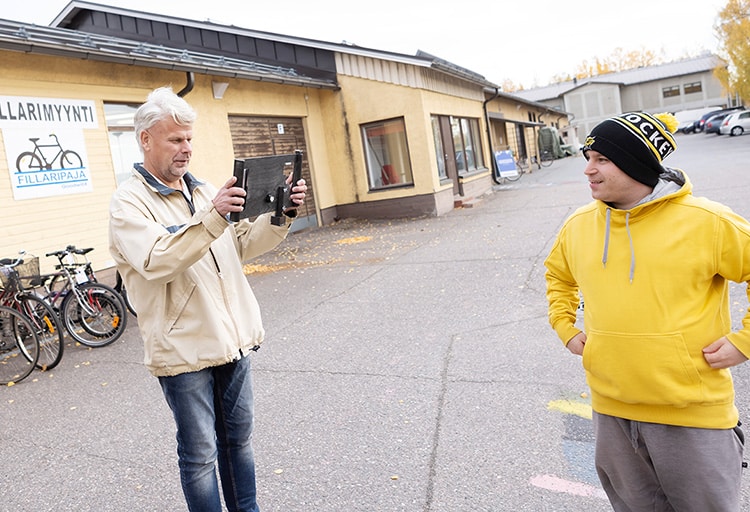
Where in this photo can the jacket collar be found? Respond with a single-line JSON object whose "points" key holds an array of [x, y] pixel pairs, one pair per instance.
{"points": [[191, 181]]}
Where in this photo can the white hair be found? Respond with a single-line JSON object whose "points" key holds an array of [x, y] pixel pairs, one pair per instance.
{"points": [[161, 104]]}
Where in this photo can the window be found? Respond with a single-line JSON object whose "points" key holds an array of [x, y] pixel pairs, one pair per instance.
{"points": [[439, 149], [669, 92], [693, 87], [467, 144], [122, 143], [387, 154]]}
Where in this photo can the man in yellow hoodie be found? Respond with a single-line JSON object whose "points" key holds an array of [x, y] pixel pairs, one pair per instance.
{"points": [[654, 263]]}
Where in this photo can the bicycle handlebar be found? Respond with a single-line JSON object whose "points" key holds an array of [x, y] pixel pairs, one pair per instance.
{"points": [[10, 262], [71, 249]]}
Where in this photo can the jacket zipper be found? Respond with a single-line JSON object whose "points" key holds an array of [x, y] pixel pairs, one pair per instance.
{"points": [[219, 273]]}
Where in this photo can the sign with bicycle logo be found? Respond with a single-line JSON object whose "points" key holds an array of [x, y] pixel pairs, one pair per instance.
{"points": [[45, 164], [45, 146]]}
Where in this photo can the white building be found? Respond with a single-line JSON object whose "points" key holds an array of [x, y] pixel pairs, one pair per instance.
{"points": [[673, 87]]}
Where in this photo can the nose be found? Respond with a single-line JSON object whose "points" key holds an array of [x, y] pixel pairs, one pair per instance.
{"points": [[590, 168]]}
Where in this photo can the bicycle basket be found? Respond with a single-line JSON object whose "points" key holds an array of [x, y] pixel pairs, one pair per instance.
{"points": [[27, 271]]}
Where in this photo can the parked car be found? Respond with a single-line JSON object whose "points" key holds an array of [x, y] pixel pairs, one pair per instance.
{"points": [[699, 125], [713, 123], [686, 126], [736, 124]]}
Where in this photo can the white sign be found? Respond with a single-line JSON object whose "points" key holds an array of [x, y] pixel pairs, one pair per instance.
{"points": [[43, 164], [47, 112]]}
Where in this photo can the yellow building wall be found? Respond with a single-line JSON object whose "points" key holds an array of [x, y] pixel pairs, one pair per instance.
{"points": [[364, 101], [46, 224]]}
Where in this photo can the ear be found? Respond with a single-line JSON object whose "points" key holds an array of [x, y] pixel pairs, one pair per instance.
{"points": [[145, 139]]}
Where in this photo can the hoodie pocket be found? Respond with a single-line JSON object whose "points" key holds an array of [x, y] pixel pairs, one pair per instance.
{"points": [[653, 369]]}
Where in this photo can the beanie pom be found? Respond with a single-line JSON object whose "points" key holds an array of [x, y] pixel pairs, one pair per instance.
{"points": [[669, 121]]}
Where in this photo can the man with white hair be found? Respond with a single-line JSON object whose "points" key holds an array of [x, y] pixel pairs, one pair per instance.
{"points": [[181, 261]]}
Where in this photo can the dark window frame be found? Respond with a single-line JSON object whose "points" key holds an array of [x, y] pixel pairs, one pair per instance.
{"points": [[671, 91], [386, 150], [693, 87]]}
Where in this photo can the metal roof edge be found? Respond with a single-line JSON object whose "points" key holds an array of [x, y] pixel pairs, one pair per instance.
{"points": [[422, 59], [514, 97], [67, 14], [29, 38]]}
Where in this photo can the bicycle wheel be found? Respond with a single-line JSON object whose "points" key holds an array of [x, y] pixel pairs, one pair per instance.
{"points": [[513, 176], [19, 346], [545, 159], [112, 294], [48, 328], [70, 160], [28, 161], [523, 165], [94, 314]]}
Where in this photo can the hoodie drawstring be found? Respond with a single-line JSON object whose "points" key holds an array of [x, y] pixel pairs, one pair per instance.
{"points": [[606, 239], [630, 240], [632, 251]]}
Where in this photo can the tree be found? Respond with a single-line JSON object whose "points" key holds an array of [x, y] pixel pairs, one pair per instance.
{"points": [[509, 85], [733, 32], [618, 60]]}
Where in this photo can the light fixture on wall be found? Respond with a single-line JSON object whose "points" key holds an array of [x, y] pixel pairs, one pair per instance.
{"points": [[219, 89]]}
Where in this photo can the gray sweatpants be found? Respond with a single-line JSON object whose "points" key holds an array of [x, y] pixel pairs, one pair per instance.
{"points": [[649, 467]]}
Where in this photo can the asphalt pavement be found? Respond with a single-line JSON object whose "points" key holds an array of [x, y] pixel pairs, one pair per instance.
{"points": [[408, 367]]}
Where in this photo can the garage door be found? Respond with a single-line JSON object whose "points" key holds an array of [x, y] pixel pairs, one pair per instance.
{"points": [[266, 136]]}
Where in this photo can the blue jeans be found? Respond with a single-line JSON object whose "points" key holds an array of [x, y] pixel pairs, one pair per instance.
{"points": [[213, 410]]}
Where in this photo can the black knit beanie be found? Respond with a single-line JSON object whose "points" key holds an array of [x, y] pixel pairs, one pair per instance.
{"points": [[636, 142]]}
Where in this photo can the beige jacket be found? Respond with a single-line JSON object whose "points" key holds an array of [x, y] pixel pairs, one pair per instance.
{"points": [[182, 266]]}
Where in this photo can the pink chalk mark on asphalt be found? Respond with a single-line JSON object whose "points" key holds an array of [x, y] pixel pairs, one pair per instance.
{"points": [[556, 484]]}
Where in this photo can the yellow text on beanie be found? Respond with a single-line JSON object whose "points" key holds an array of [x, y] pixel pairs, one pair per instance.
{"points": [[637, 143]]}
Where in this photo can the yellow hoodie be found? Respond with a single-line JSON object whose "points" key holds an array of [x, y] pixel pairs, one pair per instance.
{"points": [[655, 280]]}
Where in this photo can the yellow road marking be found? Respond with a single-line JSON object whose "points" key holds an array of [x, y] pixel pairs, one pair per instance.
{"points": [[570, 407]]}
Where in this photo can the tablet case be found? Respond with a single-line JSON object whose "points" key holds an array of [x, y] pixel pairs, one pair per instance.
{"points": [[264, 181]]}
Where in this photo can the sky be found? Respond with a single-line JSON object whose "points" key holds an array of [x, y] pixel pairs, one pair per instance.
{"points": [[525, 41]]}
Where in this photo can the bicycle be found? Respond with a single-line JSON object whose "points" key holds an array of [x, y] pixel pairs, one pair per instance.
{"points": [[36, 161], [509, 167], [546, 158], [91, 312], [119, 286], [42, 316], [19, 346]]}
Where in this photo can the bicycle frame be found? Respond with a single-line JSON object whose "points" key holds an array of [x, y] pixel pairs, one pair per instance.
{"points": [[37, 161], [11, 296], [38, 150], [74, 273], [37, 312], [70, 281]]}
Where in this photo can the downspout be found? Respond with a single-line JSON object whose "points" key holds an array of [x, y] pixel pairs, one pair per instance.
{"points": [[495, 171], [189, 85]]}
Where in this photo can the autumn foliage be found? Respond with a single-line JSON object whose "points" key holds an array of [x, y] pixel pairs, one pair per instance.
{"points": [[733, 32]]}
